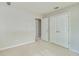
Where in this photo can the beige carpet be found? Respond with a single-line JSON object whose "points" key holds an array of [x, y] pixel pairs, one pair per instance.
{"points": [[39, 48]]}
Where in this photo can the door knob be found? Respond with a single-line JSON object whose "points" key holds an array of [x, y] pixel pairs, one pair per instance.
{"points": [[57, 31]]}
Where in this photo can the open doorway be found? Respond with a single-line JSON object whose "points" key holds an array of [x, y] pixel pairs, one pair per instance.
{"points": [[38, 29]]}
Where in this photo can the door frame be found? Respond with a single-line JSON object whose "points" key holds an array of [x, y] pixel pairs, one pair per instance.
{"points": [[68, 23], [36, 23]]}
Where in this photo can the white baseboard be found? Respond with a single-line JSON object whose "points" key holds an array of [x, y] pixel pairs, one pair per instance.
{"points": [[1, 49], [74, 51]]}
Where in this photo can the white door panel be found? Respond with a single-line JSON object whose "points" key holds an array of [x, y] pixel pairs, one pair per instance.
{"points": [[59, 29], [52, 29], [44, 29]]}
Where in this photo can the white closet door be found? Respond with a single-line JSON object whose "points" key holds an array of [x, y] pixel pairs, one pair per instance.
{"points": [[59, 29], [44, 29]]}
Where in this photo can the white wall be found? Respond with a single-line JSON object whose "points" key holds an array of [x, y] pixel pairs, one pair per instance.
{"points": [[16, 26], [74, 23], [73, 13]]}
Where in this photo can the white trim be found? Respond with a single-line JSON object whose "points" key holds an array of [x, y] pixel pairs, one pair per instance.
{"points": [[13, 46], [74, 51]]}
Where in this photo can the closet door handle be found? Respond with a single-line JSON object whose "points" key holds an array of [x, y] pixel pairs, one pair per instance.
{"points": [[57, 31]]}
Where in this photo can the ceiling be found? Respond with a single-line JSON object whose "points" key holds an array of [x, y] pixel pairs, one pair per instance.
{"points": [[42, 8]]}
